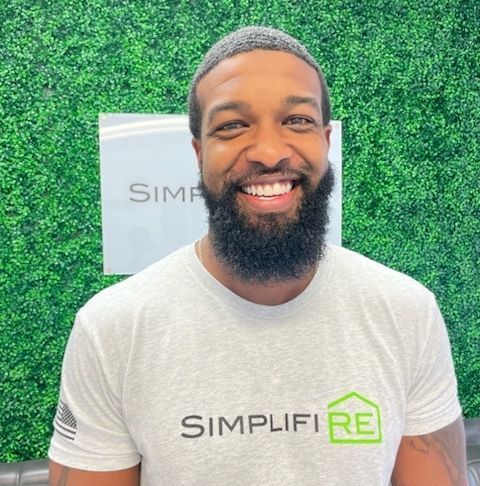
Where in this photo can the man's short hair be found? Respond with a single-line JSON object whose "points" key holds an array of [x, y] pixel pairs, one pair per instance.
{"points": [[249, 39]]}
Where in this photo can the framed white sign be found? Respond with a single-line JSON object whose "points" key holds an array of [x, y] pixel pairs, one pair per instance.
{"points": [[150, 202]]}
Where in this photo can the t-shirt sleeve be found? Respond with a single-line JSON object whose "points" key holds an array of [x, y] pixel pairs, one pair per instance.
{"points": [[432, 397], [89, 430]]}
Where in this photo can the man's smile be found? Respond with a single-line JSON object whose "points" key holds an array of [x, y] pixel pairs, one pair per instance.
{"points": [[269, 196], [268, 190]]}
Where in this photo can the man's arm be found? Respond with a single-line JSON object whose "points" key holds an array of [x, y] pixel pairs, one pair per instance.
{"points": [[66, 476], [436, 459]]}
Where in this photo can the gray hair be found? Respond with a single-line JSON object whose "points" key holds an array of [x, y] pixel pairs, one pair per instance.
{"points": [[248, 39]]}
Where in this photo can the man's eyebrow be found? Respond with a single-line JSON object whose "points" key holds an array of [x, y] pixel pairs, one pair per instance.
{"points": [[300, 100], [227, 106]]}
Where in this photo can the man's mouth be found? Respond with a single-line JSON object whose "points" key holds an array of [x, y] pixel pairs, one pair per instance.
{"points": [[272, 189]]}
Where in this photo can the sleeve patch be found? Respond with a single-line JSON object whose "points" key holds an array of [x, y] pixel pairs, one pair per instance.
{"points": [[64, 422]]}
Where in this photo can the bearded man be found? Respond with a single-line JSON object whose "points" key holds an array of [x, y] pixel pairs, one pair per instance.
{"points": [[260, 354]]}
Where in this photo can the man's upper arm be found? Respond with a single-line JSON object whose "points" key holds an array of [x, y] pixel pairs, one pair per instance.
{"points": [[90, 430], [65, 476], [435, 459]]}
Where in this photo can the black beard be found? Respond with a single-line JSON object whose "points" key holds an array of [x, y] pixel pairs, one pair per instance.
{"points": [[273, 247]]}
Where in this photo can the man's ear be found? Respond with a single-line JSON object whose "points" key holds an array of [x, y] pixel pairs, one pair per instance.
{"points": [[197, 146], [328, 132]]}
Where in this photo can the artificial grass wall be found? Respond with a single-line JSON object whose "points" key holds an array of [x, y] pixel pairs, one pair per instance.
{"points": [[404, 79]]}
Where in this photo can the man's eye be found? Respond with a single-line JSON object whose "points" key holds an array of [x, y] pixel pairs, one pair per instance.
{"points": [[300, 120], [230, 126]]}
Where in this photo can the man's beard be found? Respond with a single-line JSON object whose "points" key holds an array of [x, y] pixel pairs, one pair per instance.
{"points": [[269, 247]]}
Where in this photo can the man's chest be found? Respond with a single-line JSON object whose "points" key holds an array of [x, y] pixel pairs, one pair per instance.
{"points": [[295, 409]]}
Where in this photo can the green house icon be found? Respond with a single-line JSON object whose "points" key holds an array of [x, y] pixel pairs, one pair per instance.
{"points": [[354, 419]]}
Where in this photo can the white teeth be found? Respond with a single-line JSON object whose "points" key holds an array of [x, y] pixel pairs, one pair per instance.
{"points": [[268, 191], [276, 189]]}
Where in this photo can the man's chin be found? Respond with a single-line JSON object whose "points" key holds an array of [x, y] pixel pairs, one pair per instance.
{"points": [[268, 224]]}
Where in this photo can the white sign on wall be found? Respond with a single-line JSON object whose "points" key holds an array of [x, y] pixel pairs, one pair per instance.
{"points": [[150, 202]]}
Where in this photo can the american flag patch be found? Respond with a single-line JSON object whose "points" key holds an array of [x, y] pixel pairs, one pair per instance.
{"points": [[64, 422]]}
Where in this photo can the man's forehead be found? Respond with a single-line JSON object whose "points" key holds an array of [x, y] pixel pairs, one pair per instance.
{"points": [[256, 66]]}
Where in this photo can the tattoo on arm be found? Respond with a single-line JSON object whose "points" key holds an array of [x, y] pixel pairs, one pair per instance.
{"points": [[441, 455]]}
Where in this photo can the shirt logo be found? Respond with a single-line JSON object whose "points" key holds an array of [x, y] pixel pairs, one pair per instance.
{"points": [[351, 419], [354, 419], [64, 422]]}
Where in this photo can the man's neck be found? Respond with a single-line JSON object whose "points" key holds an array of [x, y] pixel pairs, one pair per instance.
{"points": [[259, 293]]}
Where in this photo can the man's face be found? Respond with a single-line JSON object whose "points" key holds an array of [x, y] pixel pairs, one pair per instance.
{"points": [[263, 152], [261, 111]]}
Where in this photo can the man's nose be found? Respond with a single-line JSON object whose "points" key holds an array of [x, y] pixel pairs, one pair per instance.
{"points": [[268, 147]]}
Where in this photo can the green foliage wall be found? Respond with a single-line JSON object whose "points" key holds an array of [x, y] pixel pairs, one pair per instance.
{"points": [[404, 80]]}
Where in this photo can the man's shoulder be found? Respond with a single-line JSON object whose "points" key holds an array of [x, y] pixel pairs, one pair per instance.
{"points": [[361, 271]]}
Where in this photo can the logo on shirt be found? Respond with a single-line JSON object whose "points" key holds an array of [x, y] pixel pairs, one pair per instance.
{"points": [[354, 419]]}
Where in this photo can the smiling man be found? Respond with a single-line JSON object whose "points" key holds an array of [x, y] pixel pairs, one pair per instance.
{"points": [[260, 354]]}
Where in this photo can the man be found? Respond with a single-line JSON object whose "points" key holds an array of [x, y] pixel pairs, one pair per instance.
{"points": [[260, 355]]}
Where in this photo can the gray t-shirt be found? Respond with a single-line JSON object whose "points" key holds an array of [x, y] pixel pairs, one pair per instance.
{"points": [[172, 369]]}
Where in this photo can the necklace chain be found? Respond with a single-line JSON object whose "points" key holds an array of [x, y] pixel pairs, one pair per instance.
{"points": [[200, 251]]}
